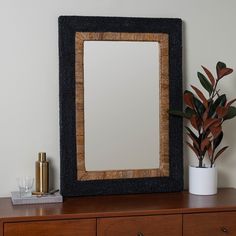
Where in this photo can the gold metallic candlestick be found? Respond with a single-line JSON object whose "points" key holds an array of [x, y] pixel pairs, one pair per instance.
{"points": [[42, 173]]}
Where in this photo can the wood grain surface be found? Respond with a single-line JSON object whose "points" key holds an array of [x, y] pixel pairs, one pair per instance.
{"points": [[163, 41], [52, 228], [216, 224], [1, 228], [123, 205], [170, 225]]}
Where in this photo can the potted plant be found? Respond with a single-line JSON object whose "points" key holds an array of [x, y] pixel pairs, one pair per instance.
{"points": [[206, 109]]}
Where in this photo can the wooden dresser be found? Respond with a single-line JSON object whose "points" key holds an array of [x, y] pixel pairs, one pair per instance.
{"points": [[162, 214]]}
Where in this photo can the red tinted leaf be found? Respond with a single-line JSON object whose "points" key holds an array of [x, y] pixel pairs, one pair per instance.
{"points": [[218, 123], [204, 144], [209, 75], [209, 122], [210, 151], [219, 66], [221, 111], [188, 99], [200, 95], [217, 141], [195, 122], [205, 114], [220, 152], [231, 102], [224, 71], [215, 131], [194, 140], [193, 149]]}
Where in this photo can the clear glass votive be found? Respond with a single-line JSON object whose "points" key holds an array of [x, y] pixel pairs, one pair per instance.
{"points": [[25, 185]]}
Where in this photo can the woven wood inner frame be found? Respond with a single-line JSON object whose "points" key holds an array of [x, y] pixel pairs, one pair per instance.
{"points": [[163, 169]]}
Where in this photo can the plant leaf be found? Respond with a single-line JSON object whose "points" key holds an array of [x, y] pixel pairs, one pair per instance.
{"points": [[195, 142], [231, 113], [200, 95], [222, 111], [205, 83], [215, 131], [191, 132], [204, 144], [194, 122], [220, 101], [219, 66], [217, 140], [200, 108], [188, 99], [189, 112], [209, 75], [205, 134], [223, 72], [210, 151], [231, 102], [206, 114], [220, 152], [209, 122], [193, 149]]}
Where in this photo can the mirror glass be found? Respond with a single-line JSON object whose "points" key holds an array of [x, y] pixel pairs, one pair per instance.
{"points": [[121, 105]]}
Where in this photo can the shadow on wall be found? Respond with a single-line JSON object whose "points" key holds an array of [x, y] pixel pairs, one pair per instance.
{"points": [[52, 174], [184, 69]]}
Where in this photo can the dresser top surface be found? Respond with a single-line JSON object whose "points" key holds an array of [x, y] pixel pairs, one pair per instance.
{"points": [[123, 205]]}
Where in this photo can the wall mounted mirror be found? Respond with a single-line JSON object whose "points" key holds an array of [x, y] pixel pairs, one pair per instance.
{"points": [[118, 79]]}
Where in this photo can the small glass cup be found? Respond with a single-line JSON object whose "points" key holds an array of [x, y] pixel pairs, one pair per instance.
{"points": [[25, 185]]}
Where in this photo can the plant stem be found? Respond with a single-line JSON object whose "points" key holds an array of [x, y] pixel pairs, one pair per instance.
{"points": [[200, 162], [214, 90]]}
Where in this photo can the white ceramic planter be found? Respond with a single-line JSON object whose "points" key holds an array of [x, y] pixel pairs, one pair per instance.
{"points": [[202, 181]]}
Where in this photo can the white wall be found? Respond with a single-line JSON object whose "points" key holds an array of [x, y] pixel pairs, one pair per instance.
{"points": [[29, 118]]}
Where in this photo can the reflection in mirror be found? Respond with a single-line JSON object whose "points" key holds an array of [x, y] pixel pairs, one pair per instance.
{"points": [[121, 105]]}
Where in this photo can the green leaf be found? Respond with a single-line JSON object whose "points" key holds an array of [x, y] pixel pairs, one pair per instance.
{"points": [[220, 65], [205, 83], [189, 112], [220, 101], [231, 113], [199, 106], [217, 141]]}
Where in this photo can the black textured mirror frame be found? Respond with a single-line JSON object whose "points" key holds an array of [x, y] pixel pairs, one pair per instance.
{"points": [[70, 185]]}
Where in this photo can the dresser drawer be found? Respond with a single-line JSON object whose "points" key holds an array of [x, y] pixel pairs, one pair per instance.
{"points": [[141, 226], [214, 224], [52, 228]]}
